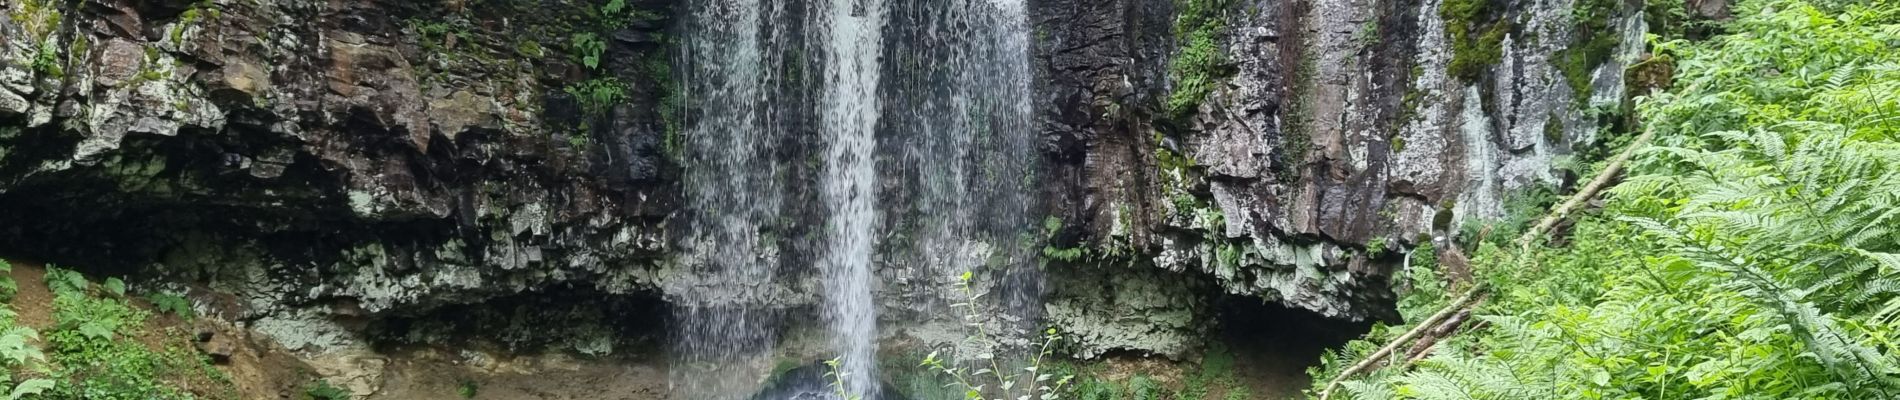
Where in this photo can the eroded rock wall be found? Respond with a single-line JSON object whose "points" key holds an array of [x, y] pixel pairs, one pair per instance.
{"points": [[358, 157], [373, 157], [1333, 136]]}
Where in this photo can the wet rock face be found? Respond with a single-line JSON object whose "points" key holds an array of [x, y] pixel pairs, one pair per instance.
{"points": [[1127, 307], [1334, 138], [373, 156]]}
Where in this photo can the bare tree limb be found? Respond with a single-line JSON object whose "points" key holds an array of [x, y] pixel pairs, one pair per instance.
{"points": [[1478, 292], [1584, 195], [1371, 362]]}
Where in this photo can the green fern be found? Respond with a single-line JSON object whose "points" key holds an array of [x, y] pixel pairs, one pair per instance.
{"points": [[1750, 254]]}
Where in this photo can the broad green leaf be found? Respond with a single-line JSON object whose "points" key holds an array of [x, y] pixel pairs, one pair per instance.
{"points": [[95, 330], [33, 386], [115, 286]]}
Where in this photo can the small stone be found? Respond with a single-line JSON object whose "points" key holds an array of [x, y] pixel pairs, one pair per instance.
{"points": [[218, 347]]}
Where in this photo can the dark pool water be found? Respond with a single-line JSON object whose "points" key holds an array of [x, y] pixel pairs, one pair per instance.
{"points": [[810, 383]]}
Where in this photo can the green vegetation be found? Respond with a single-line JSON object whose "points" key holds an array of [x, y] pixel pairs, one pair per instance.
{"points": [[1052, 251], [435, 35], [588, 49], [1297, 139], [597, 96], [1143, 388], [991, 376], [1749, 254], [1217, 372], [466, 40], [1441, 220], [1180, 182], [38, 17], [1674, 19], [93, 345], [1368, 33], [8, 288], [616, 14], [171, 303], [1592, 23], [17, 349], [1200, 27], [47, 61], [1422, 284], [1376, 247], [1554, 125], [467, 389], [660, 71], [197, 12], [94, 349], [1476, 30], [1521, 209], [991, 372], [1114, 248], [529, 49], [1213, 380], [837, 380], [322, 390]]}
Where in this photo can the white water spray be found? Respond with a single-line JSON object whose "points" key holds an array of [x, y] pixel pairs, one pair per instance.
{"points": [[853, 51], [943, 83]]}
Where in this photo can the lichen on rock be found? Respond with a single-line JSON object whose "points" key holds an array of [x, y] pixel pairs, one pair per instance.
{"points": [[325, 157], [1335, 124]]}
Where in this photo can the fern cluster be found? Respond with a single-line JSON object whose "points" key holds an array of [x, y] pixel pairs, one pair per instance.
{"points": [[17, 348], [92, 342], [1750, 255], [1199, 29]]}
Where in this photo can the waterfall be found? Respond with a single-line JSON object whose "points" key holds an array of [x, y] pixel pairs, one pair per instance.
{"points": [[919, 112], [960, 90], [853, 43], [734, 194]]}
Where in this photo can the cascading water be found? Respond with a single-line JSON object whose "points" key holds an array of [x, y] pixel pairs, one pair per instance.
{"points": [[920, 110], [960, 86], [853, 50], [721, 324]]}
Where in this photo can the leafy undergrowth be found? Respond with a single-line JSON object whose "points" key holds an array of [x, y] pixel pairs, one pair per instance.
{"points": [[17, 350], [1214, 380], [92, 340], [1750, 254], [1214, 377], [95, 346], [1199, 27]]}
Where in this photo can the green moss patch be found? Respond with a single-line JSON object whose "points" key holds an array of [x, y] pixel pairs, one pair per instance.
{"points": [[1476, 29], [1597, 43]]}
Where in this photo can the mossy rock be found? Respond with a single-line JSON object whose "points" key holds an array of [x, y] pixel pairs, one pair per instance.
{"points": [[1477, 31]]}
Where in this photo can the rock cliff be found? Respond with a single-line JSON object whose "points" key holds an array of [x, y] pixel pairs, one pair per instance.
{"points": [[362, 156], [380, 157], [1295, 151]]}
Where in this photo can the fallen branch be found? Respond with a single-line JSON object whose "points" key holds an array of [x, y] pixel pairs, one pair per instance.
{"points": [[1424, 344], [1371, 362], [1478, 292], [1584, 195]]}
